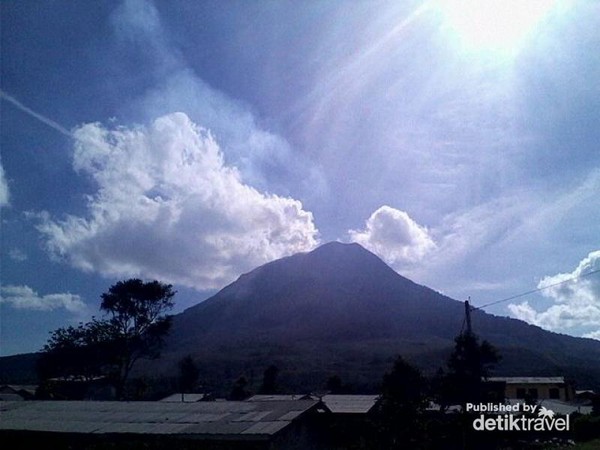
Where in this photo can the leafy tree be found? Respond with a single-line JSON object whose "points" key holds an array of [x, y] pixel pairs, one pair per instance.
{"points": [[188, 374], [134, 327], [334, 384], [136, 311], [239, 391], [269, 383], [81, 352], [469, 366], [403, 400]]}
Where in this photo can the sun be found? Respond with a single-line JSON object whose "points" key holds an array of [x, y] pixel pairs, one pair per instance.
{"points": [[493, 25]]}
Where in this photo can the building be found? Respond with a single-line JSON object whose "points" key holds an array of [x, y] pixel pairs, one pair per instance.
{"points": [[186, 398], [13, 392], [536, 388], [350, 404], [345, 422], [241, 425], [351, 423], [336, 404], [280, 397]]}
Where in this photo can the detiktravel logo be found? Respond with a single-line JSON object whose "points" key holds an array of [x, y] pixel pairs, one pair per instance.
{"points": [[518, 417]]}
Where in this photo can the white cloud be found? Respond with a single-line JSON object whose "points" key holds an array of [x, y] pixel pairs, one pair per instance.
{"points": [[264, 159], [593, 335], [4, 193], [17, 254], [576, 303], [23, 297], [394, 236], [168, 207]]}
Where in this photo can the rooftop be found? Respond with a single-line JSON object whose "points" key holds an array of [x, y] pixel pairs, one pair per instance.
{"points": [[337, 404], [350, 404], [529, 380], [279, 397], [243, 419], [179, 397]]}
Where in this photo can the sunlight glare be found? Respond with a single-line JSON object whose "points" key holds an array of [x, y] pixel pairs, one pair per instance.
{"points": [[497, 25]]}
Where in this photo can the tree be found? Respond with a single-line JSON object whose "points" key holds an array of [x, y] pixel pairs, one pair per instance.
{"points": [[239, 392], [269, 383], [134, 327], [136, 312], [469, 366], [80, 353], [188, 375], [403, 399], [334, 385]]}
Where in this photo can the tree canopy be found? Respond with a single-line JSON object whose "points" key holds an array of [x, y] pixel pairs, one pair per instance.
{"points": [[269, 383], [188, 374], [403, 400], [134, 327], [469, 367]]}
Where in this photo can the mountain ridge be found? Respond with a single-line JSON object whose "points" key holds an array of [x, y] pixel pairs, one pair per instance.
{"points": [[340, 310], [343, 301]]}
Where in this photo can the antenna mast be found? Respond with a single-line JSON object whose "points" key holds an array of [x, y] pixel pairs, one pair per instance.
{"points": [[468, 316]]}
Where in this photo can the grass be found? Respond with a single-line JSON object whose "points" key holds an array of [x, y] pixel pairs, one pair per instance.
{"points": [[588, 445]]}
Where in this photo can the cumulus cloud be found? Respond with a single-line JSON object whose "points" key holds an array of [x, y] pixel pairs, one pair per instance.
{"points": [[394, 236], [593, 335], [168, 207], [23, 297], [4, 194], [576, 303]]}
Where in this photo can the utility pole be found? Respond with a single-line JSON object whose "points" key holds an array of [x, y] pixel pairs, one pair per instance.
{"points": [[468, 316]]}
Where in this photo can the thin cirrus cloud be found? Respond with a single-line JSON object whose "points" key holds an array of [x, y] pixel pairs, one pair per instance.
{"points": [[264, 159], [395, 237], [576, 303], [4, 192], [167, 206], [24, 297]]}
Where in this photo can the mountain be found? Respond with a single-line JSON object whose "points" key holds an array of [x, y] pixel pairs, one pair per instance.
{"points": [[341, 310]]}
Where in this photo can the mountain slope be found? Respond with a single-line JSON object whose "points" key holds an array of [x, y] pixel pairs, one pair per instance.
{"points": [[340, 309]]}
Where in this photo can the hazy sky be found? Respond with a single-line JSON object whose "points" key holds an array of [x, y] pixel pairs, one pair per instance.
{"points": [[191, 141]]}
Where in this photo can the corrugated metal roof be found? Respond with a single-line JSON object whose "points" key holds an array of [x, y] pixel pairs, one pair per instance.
{"points": [[186, 398], [253, 416], [265, 428], [350, 404], [279, 397], [222, 418], [558, 406], [8, 397], [529, 380]]}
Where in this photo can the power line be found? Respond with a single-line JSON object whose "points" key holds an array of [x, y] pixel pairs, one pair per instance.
{"points": [[537, 290]]}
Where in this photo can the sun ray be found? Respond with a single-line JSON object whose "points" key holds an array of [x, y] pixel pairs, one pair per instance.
{"points": [[493, 25]]}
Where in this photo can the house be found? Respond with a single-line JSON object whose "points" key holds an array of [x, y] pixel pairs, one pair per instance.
{"points": [[280, 397], [536, 388], [183, 397], [350, 422], [13, 392], [342, 421], [237, 425], [336, 404], [587, 395], [350, 404]]}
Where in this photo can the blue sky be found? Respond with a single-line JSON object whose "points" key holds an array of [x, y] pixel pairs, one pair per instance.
{"points": [[193, 141]]}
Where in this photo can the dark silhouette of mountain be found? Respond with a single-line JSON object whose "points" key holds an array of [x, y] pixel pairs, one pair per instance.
{"points": [[341, 310]]}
